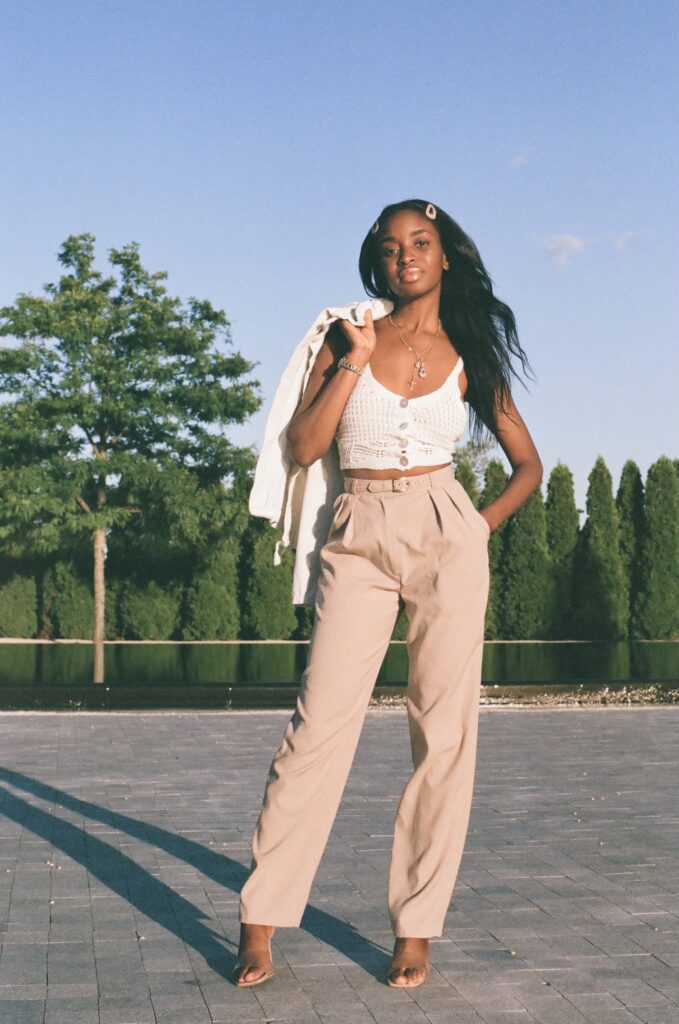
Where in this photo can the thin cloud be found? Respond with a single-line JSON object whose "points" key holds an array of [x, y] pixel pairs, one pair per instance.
{"points": [[522, 156], [562, 248], [622, 239]]}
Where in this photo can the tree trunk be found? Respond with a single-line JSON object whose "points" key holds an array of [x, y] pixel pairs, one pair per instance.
{"points": [[99, 604]]}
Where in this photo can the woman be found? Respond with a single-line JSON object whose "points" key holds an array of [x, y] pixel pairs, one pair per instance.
{"points": [[390, 394]]}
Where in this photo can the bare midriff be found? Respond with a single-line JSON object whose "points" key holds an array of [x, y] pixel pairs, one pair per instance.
{"points": [[392, 474]]}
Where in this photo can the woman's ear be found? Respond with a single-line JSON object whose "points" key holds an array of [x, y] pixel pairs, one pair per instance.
{"points": [[446, 264]]}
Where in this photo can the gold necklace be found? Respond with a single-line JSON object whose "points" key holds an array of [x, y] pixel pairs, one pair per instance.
{"points": [[418, 365]]}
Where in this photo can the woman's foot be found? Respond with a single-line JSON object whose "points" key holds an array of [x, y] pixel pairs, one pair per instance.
{"points": [[254, 955], [409, 965]]}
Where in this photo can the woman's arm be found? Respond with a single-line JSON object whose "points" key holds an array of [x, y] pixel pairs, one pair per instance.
{"points": [[518, 446], [313, 427]]}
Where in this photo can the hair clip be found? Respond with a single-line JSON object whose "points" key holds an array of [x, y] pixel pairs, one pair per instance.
{"points": [[430, 211], [375, 228]]}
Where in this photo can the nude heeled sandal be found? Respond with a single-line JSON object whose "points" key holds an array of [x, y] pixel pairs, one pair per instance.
{"points": [[250, 959], [395, 969]]}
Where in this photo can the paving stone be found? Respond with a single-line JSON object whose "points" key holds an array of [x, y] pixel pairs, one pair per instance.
{"points": [[73, 1010], [121, 1010], [657, 1015], [22, 1012], [125, 839]]}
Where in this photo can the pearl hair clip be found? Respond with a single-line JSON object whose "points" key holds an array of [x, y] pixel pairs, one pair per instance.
{"points": [[430, 212]]}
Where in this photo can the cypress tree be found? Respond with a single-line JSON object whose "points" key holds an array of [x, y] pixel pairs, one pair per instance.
{"points": [[267, 612], [526, 574], [562, 534], [18, 606], [150, 611], [656, 610], [465, 475], [600, 599], [70, 602], [212, 606], [305, 622], [494, 484], [630, 505], [401, 625]]}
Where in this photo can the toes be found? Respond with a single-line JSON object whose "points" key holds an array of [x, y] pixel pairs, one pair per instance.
{"points": [[406, 975], [249, 973]]}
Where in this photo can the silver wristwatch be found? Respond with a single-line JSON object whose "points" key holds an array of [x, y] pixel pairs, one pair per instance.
{"points": [[344, 364]]}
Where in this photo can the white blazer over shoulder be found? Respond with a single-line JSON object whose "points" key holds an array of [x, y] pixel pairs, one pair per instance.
{"points": [[299, 500]]}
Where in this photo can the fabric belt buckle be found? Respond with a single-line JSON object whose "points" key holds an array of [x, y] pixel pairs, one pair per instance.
{"points": [[401, 484]]}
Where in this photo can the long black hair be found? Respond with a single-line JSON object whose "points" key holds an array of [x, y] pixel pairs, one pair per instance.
{"points": [[482, 328]]}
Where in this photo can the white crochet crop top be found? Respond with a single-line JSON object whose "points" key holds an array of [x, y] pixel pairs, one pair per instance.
{"points": [[382, 430]]}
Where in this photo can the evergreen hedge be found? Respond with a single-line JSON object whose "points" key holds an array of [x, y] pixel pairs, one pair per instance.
{"points": [[18, 607], [527, 582], [150, 612], [616, 576], [267, 612], [562, 527], [629, 502], [601, 595], [212, 606], [656, 609], [69, 602]]}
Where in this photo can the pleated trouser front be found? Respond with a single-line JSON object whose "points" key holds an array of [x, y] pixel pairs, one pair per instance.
{"points": [[427, 544]]}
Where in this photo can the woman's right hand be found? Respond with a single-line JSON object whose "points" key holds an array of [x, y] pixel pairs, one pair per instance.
{"points": [[313, 427], [361, 339]]}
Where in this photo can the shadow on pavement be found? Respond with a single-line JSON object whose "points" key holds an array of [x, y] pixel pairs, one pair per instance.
{"points": [[147, 893]]}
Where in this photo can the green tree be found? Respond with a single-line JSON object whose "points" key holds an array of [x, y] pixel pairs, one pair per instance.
{"points": [[149, 611], [115, 400], [212, 604], [656, 609], [267, 612], [18, 601], [494, 484], [71, 604], [601, 605], [465, 474], [562, 535], [629, 502], [525, 596], [470, 463]]}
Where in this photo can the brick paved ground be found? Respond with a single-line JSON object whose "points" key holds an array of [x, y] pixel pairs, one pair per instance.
{"points": [[124, 840]]}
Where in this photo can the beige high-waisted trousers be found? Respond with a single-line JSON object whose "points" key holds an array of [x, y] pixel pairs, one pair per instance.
{"points": [[421, 538]]}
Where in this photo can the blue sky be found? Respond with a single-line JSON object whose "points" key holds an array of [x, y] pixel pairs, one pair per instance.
{"points": [[248, 147]]}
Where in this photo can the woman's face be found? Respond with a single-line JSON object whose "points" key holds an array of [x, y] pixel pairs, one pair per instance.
{"points": [[411, 255]]}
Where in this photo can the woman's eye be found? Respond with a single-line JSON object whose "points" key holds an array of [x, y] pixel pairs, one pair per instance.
{"points": [[422, 241]]}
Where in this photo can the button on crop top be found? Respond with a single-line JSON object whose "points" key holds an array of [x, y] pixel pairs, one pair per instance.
{"points": [[382, 430]]}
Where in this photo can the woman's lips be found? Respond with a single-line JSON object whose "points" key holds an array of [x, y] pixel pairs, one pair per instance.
{"points": [[411, 274]]}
